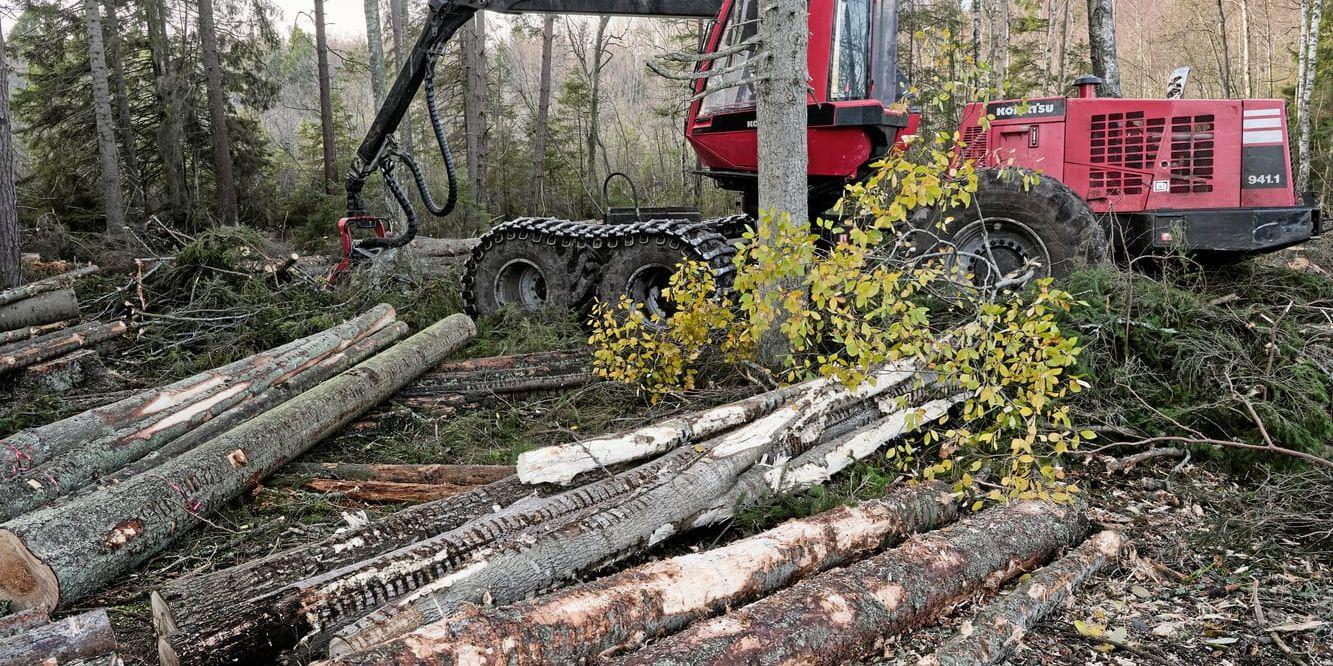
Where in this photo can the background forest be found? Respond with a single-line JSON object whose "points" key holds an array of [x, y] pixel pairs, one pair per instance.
{"points": [[599, 111]]}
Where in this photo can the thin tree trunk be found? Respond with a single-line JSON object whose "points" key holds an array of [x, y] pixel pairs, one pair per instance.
{"points": [[1067, 23], [113, 198], [1226, 75], [459, 475], [223, 170], [124, 118], [385, 492], [326, 103], [398, 25], [542, 129], [475, 77], [61, 554], [375, 45], [976, 31], [1101, 41], [64, 641], [1245, 39], [10, 271], [1001, 625], [44, 308], [47, 347], [62, 281], [593, 65], [1311, 17], [837, 617], [171, 122], [624, 610], [30, 332]]}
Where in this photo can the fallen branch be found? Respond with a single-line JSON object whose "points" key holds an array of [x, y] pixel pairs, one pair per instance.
{"points": [[659, 598], [58, 555], [10, 337], [1224, 443], [79, 637], [459, 475], [1129, 462], [45, 308], [837, 617], [385, 491], [999, 627]]}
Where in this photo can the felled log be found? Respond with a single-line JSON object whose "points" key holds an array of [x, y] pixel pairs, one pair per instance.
{"points": [[49, 346], [236, 615], [10, 337], [60, 554], [678, 488], [78, 637], [1001, 625], [62, 373], [76, 467], [659, 598], [36, 287], [22, 621], [459, 475], [560, 464], [386, 491], [34, 446], [837, 617], [444, 247], [44, 308]]}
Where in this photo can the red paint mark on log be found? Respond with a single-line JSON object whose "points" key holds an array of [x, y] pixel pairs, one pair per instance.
{"points": [[122, 534]]}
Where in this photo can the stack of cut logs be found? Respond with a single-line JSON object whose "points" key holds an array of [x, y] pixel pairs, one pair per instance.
{"points": [[39, 329], [453, 580], [89, 497]]}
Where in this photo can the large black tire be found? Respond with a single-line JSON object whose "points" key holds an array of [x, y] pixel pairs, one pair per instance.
{"points": [[519, 272], [1016, 217], [640, 269]]}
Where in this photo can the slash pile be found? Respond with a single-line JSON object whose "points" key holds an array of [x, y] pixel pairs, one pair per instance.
{"points": [[93, 495], [37, 323]]}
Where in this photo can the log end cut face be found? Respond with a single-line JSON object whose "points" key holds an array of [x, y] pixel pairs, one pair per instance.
{"points": [[25, 582]]}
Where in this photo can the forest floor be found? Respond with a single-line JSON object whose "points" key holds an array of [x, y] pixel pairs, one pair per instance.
{"points": [[1215, 542]]}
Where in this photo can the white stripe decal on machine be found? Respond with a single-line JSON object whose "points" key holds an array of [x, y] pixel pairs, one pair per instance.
{"points": [[1260, 113], [1266, 136], [1263, 123]]}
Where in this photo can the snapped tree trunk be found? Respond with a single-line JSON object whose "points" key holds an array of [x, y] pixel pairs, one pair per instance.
{"points": [[623, 610], [223, 170], [325, 102], [171, 119], [473, 45], [543, 121], [58, 555], [235, 616], [10, 274], [113, 198], [458, 475], [75, 468], [31, 289], [668, 496], [51, 345], [44, 308], [78, 637], [1101, 41], [1001, 625], [838, 616], [124, 119], [34, 446]]}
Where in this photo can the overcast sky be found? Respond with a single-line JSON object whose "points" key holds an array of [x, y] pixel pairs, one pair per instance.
{"points": [[345, 17]]}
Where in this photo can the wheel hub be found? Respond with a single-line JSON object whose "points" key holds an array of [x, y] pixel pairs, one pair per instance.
{"points": [[994, 249], [646, 285], [522, 284]]}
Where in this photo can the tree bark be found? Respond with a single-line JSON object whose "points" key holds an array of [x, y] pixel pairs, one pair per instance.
{"points": [[624, 610], [10, 270], [542, 123], [223, 170], [31, 289], [34, 446], [1228, 85], [305, 380], [124, 119], [837, 617], [78, 637], [473, 44], [113, 201], [375, 46], [171, 119], [22, 621], [19, 335], [1245, 39], [325, 103], [1000, 626], [1101, 41], [594, 68], [668, 495], [560, 464], [1312, 12], [58, 555], [458, 475], [386, 492], [186, 611], [44, 308], [398, 25], [49, 346], [75, 468]]}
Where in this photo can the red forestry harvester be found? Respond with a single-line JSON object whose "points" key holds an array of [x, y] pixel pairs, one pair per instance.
{"points": [[1208, 177]]}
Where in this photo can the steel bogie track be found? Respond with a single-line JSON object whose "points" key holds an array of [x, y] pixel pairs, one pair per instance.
{"points": [[704, 241]]}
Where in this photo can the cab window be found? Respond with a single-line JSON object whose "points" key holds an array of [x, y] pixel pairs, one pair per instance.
{"points": [[849, 77]]}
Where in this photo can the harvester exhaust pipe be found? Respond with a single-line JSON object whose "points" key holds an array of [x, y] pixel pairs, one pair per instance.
{"points": [[1087, 86]]}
